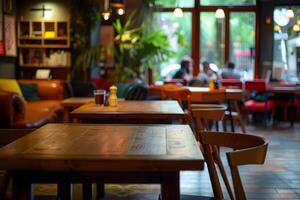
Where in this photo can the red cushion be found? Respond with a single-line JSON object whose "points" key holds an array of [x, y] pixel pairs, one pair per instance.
{"points": [[102, 83], [252, 105]]}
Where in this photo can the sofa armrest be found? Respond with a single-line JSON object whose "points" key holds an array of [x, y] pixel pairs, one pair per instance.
{"points": [[12, 108]]}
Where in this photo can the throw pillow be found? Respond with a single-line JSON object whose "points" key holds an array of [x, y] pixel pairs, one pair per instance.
{"points": [[30, 91], [10, 85]]}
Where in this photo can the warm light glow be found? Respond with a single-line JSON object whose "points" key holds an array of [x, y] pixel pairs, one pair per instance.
{"points": [[106, 15], [178, 12], [121, 11], [276, 28], [296, 28], [290, 13], [220, 14]]}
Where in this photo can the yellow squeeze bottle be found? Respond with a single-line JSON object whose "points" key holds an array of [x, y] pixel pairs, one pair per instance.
{"points": [[211, 84], [113, 96]]}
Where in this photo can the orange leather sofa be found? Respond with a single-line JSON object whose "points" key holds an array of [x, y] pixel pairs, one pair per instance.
{"points": [[16, 113]]}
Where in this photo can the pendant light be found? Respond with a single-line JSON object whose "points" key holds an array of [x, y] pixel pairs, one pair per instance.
{"points": [[290, 13], [106, 13], [178, 11], [220, 13]]}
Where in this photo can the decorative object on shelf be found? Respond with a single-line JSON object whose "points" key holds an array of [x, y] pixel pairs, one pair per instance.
{"points": [[43, 9], [10, 35], [44, 44]]}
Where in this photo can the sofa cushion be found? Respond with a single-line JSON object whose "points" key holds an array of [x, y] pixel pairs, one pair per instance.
{"points": [[48, 89], [30, 91], [10, 85]]}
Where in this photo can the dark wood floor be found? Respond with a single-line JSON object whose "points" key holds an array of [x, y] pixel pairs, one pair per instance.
{"points": [[278, 178]]}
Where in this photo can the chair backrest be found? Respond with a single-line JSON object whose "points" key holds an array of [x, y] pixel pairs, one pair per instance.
{"points": [[215, 96], [232, 83], [171, 91], [203, 113], [137, 92], [256, 85], [249, 149]]}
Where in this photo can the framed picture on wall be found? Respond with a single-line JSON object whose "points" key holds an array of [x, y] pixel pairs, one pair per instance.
{"points": [[10, 35], [8, 6], [1, 30]]}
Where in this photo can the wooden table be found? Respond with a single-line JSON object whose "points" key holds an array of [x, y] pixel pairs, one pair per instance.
{"points": [[66, 153], [289, 92], [72, 103], [131, 112], [199, 94], [203, 94]]}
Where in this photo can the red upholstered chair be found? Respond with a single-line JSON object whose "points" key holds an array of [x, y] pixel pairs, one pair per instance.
{"points": [[262, 105], [232, 83]]}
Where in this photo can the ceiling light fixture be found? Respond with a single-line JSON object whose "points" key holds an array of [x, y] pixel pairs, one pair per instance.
{"points": [[220, 13], [290, 13], [178, 12], [296, 28], [106, 13]]}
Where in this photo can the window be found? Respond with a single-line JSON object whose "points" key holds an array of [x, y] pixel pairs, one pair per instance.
{"points": [[226, 2], [242, 43], [286, 57], [175, 3], [212, 36], [179, 31]]}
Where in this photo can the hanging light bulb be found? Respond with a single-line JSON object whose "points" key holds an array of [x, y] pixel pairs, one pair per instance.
{"points": [[121, 11], [106, 13], [296, 28], [220, 14], [290, 13], [178, 12]]}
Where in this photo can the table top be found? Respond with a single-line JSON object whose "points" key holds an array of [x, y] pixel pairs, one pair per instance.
{"points": [[284, 89], [131, 109], [77, 147], [76, 101]]}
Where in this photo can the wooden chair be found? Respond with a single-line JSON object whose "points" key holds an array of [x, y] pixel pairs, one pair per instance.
{"points": [[236, 116], [202, 115], [182, 95], [249, 149]]}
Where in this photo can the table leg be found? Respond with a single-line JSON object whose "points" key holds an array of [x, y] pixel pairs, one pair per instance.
{"points": [[230, 115], [64, 191], [100, 190], [170, 189], [66, 115], [293, 110], [21, 187], [87, 191]]}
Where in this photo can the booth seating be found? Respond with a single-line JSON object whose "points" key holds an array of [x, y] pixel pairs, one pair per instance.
{"points": [[43, 107]]}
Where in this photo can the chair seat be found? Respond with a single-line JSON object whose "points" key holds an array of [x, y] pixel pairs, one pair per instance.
{"points": [[252, 105]]}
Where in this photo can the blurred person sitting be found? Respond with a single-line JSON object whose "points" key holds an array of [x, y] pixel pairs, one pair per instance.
{"points": [[184, 71], [203, 77], [228, 72]]}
